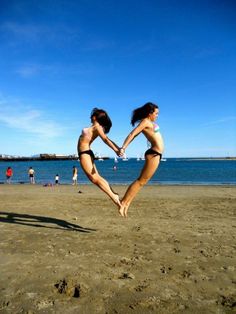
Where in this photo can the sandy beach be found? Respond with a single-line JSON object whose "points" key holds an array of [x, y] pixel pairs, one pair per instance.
{"points": [[67, 252]]}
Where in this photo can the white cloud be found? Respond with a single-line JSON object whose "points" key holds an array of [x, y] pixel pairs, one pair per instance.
{"points": [[28, 71], [30, 120], [21, 30], [31, 70], [222, 120], [17, 33]]}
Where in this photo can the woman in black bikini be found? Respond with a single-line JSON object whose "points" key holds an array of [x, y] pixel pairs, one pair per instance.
{"points": [[101, 125], [145, 115]]}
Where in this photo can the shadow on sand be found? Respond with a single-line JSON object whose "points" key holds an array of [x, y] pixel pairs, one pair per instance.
{"points": [[41, 222]]}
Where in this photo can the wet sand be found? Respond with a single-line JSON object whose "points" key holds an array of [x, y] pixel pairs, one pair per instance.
{"points": [[67, 252]]}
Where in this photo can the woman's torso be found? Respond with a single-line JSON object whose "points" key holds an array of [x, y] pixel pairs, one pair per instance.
{"points": [[153, 135], [86, 138]]}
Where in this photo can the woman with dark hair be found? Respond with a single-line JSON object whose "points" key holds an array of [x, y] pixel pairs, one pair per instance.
{"points": [[101, 124], [145, 115]]}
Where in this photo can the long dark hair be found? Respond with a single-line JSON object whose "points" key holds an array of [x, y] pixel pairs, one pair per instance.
{"points": [[142, 112], [102, 118]]}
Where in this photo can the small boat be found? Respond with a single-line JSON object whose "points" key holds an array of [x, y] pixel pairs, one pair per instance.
{"points": [[115, 159], [142, 157], [125, 158], [100, 157], [163, 159]]}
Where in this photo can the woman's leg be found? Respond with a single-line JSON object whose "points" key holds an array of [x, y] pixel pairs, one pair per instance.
{"points": [[91, 171], [150, 166]]}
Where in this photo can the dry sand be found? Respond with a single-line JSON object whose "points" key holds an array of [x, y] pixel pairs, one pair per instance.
{"points": [[67, 252]]}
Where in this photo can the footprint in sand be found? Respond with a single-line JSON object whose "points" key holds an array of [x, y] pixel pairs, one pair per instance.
{"points": [[137, 228], [142, 286], [69, 288], [165, 270], [127, 276], [227, 301], [176, 250], [186, 274]]}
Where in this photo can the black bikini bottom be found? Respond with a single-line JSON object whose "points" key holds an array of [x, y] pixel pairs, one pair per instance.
{"points": [[88, 152], [151, 151]]}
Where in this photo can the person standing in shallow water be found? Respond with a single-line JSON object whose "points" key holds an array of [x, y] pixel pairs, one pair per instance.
{"points": [[101, 124], [9, 174], [146, 116], [75, 176], [31, 174], [57, 179]]}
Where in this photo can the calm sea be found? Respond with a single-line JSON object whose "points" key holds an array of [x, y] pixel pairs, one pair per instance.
{"points": [[171, 171]]}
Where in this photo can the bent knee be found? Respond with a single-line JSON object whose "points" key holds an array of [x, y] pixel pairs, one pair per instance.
{"points": [[93, 179]]}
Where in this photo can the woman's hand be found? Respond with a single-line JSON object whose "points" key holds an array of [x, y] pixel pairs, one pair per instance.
{"points": [[121, 152]]}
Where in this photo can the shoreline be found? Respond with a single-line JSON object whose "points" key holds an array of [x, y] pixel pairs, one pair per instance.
{"points": [[26, 183], [76, 158]]}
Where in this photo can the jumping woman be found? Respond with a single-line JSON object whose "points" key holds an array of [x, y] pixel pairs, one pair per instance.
{"points": [[101, 124], [145, 116]]}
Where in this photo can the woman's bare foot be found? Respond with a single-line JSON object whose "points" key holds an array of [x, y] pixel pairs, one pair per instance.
{"points": [[122, 210], [117, 200], [126, 210]]}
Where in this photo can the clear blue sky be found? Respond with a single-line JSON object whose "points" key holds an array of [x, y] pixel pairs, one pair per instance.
{"points": [[59, 59]]}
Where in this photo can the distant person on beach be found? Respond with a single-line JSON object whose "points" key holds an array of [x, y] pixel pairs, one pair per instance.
{"points": [[101, 124], [57, 179], [145, 116], [31, 174], [74, 175], [9, 174]]}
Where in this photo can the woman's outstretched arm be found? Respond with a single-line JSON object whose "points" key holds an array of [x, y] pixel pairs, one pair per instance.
{"points": [[135, 132], [107, 141]]}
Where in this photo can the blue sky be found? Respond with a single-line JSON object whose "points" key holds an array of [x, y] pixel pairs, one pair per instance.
{"points": [[59, 59]]}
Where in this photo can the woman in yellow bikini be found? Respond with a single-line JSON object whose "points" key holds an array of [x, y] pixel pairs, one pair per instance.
{"points": [[101, 125], [145, 115]]}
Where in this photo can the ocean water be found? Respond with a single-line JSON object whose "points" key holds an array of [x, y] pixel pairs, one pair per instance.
{"points": [[172, 171]]}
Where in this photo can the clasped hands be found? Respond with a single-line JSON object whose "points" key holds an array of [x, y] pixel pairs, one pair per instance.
{"points": [[120, 152]]}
